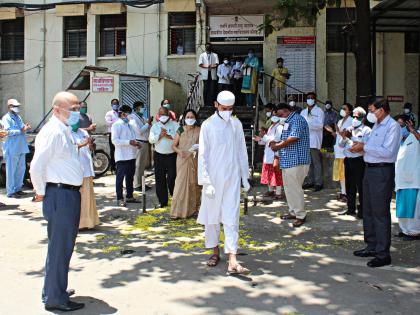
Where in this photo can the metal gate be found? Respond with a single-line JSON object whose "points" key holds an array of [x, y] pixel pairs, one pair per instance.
{"points": [[134, 89]]}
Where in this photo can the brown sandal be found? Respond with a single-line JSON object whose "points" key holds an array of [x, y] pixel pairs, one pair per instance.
{"points": [[239, 270], [213, 260], [288, 217]]}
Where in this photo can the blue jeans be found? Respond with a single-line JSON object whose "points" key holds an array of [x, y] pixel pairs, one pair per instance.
{"points": [[15, 172]]}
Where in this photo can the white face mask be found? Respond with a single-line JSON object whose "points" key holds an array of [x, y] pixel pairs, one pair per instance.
{"points": [[226, 62], [356, 122], [310, 102], [343, 113], [282, 120], [190, 121], [292, 103], [372, 118], [328, 106], [268, 114], [163, 119], [16, 109], [407, 110], [275, 119], [225, 114]]}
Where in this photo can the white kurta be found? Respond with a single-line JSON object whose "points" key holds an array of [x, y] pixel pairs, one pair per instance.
{"points": [[222, 162]]}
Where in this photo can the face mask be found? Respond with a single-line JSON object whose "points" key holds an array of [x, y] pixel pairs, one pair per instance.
{"points": [[343, 113], [142, 110], [190, 121], [250, 55], [371, 117], [404, 132], [292, 104], [225, 114], [75, 127], [163, 119], [282, 120], [168, 106], [407, 110], [115, 107], [83, 110], [226, 62], [15, 109], [280, 64], [275, 119], [73, 118], [356, 122], [328, 106], [310, 102], [268, 114], [238, 63], [125, 120]]}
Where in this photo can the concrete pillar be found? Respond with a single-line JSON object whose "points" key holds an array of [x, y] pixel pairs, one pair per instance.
{"points": [[135, 41], [321, 56], [92, 38]]}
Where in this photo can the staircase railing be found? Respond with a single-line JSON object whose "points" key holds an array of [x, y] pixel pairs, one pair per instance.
{"points": [[194, 98]]}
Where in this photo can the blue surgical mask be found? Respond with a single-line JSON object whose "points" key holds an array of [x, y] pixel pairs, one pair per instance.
{"points": [[73, 118], [142, 110], [115, 107]]}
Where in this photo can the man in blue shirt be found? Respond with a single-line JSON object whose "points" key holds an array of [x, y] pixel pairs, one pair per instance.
{"points": [[15, 149], [293, 148]]}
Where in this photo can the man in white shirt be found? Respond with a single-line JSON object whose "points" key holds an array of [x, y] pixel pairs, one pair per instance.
{"points": [[224, 73], [207, 63], [56, 174], [142, 127], [162, 136], [314, 116], [110, 118]]}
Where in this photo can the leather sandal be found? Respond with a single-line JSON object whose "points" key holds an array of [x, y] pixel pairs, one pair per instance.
{"points": [[288, 217]]}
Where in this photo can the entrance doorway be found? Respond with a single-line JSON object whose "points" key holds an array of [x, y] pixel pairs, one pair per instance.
{"points": [[234, 50]]}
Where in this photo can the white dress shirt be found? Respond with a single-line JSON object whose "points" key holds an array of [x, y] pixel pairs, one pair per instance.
{"points": [[384, 142], [85, 155], [342, 125], [315, 120], [164, 145], [141, 127], [223, 72], [111, 117], [121, 135], [359, 134], [207, 60], [56, 158]]}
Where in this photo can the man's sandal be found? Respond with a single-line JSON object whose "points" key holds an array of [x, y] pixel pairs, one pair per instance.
{"points": [[213, 260], [239, 270]]}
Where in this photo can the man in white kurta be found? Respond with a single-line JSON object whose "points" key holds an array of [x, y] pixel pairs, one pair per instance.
{"points": [[222, 165]]}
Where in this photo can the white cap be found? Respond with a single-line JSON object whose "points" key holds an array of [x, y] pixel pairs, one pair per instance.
{"points": [[226, 98], [13, 102]]}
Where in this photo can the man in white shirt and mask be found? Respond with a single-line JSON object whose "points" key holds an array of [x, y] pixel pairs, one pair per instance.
{"points": [[222, 165], [207, 63], [314, 116], [57, 175], [162, 136], [224, 73]]}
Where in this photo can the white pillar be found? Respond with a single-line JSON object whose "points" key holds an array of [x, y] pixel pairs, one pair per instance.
{"points": [[321, 56], [92, 39]]}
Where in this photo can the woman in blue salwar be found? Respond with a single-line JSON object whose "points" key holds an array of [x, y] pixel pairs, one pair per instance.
{"points": [[250, 70]]}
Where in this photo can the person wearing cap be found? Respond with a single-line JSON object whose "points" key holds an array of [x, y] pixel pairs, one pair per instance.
{"points": [[15, 149], [314, 116], [380, 153], [408, 111], [123, 137], [354, 166], [279, 77], [162, 136], [222, 165]]}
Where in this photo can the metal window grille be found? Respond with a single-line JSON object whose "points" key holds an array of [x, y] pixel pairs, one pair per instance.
{"points": [[182, 33], [113, 29], [12, 39], [75, 30], [337, 18]]}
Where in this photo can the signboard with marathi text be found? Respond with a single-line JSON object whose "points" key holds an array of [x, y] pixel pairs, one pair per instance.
{"points": [[298, 53], [102, 84], [236, 28], [395, 98]]}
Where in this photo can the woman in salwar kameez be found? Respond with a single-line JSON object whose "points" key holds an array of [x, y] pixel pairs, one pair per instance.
{"points": [[250, 70], [186, 198]]}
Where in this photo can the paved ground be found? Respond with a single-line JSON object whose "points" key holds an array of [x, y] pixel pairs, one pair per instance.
{"points": [[309, 270]]}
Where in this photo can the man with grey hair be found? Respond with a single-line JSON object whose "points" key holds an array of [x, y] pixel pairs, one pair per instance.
{"points": [[57, 176]]}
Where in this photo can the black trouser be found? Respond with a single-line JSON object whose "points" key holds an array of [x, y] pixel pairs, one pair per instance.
{"points": [[378, 184], [237, 87], [354, 172], [125, 169], [225, 87], [165, 174], [111, 152], [209, 91]]}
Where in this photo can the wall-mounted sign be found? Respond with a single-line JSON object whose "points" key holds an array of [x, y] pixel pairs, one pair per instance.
{"points": [[102, 84], [234, 28], [298, 53], [395, 98]]}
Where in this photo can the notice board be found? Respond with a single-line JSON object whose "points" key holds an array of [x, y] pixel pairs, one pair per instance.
{"points": [[298, 53]]}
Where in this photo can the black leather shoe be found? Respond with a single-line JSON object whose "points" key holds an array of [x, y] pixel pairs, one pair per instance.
{"points": [[306, 186], [21, 193], [318, 188], [378, 262], [347, 213], [68, 307], [364, 253]]}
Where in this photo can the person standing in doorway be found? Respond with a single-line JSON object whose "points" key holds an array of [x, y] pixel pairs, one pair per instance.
{"points": [[380, 154], [207, 63], [224, 73], [162, 136], [15, 149], [110, 118], [314, 116], [237, 76], [250, 67], [278, 79]]}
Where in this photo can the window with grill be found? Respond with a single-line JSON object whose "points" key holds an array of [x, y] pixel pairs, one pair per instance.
{"points": [[113, 34], [75, 28], [412, 42], [12, 39], [337, 18], [182, 33]]}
